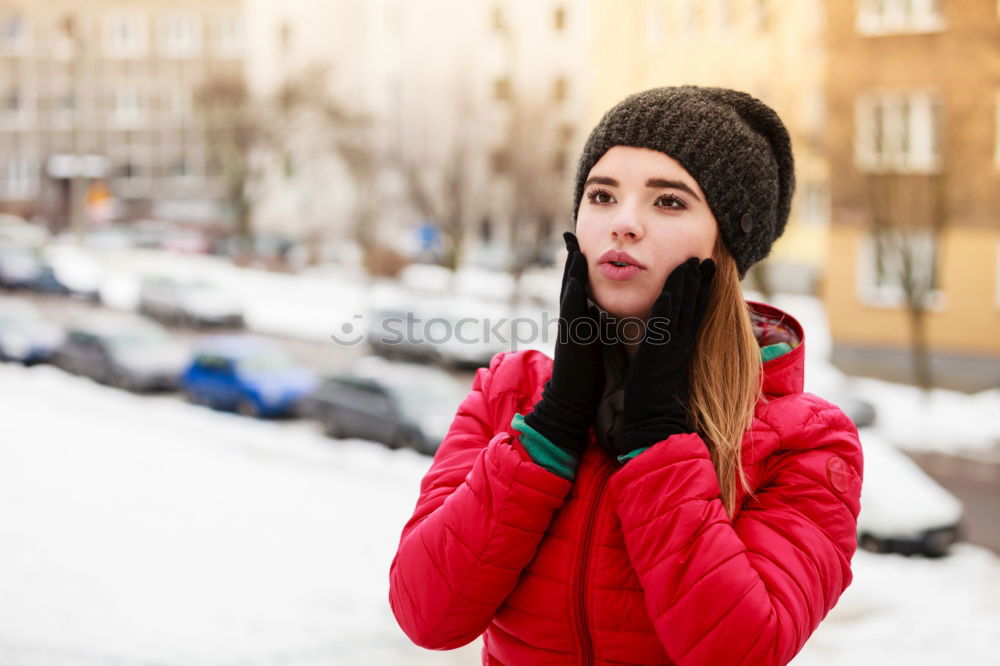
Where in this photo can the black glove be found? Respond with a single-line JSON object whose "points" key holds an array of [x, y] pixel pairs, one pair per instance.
{"points": [[657, 382], [570, 397]]}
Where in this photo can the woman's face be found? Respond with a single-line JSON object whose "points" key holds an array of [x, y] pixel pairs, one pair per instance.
{"points": [[642, 202]]}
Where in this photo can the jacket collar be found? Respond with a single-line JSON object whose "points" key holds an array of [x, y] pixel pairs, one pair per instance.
{"points": [[786, 373]]}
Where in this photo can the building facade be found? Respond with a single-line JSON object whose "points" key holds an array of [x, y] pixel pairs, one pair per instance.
{"points": [[464, 99], [914, 151], [100, 98]]}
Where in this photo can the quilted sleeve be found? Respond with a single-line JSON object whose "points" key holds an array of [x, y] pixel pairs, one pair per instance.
{"points": [[753, 589], [483, 508]]}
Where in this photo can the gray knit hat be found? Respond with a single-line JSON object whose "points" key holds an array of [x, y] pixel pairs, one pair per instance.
{"points": [[733, 144]]}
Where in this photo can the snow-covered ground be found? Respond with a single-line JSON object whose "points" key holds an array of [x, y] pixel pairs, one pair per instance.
{"points": [[142, 530]]}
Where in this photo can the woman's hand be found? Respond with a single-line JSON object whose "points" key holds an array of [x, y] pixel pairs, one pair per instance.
{"points": [[657, 383], [571, 395]]}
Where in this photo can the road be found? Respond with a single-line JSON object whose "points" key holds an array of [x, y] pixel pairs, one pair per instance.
{"points": [[977, 485], [320, 356]]}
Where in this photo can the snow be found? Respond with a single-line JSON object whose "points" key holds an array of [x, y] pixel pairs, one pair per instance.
{"points": [[142, 530], [913, 612]]}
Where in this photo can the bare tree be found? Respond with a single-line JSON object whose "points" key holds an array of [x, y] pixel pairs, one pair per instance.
{"points": [[443, 186], [538, 145], [296, 127], [908, 212], [235, 129]]}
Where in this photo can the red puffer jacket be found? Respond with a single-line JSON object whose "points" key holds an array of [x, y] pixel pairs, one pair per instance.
{"points": [[633, 564]]}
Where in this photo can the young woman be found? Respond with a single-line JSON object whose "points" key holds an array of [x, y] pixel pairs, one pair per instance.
{"points": [[671, 497]]}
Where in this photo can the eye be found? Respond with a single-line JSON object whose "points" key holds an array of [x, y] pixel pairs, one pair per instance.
{"points": [[680, 205], [593, 195]]}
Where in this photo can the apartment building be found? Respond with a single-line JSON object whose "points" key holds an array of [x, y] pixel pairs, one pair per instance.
{"points": [[101, 94], [914, 157]]}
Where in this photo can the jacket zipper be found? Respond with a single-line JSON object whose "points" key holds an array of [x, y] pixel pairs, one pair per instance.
{"points": [[586, 647]]}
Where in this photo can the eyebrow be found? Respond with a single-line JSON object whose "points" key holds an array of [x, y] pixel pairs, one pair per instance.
{"points": [[652, 182]]}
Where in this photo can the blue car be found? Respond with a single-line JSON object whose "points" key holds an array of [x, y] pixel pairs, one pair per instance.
{"points": [[245, 374]]}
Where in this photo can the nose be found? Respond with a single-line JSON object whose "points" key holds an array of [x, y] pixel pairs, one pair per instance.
{"points": [[626, 225]]}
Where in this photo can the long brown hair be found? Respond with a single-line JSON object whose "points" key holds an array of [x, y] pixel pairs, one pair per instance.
{"points": [[726, 376]]}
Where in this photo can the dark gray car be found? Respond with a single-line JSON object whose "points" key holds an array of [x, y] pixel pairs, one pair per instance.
{"points": [[398, 404], [130, 353]]}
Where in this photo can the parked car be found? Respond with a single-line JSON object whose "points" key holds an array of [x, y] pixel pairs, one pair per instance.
{"points": [[47, 282], [25, 335], [74, 270], [444, 338], [249, 375], [20, 266], [126, 351], [903, 510], [398, 404], [191, 302], [858, 410]]}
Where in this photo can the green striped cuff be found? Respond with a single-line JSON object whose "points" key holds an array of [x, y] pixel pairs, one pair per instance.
{"points": [[768, 352], [546, 454], [632, 454]]}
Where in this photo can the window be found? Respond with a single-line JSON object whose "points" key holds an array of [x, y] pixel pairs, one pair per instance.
{"points": [[63, 109], [566, 132], [285, 36], [656, 23], [180, 35], [501, 88], [725, 15], [762, 15], [897, 131], [559, 19], [996, 273], [228, 37], [499, 23], [692, 17], [817, 204], [125, 35], [13, 36], [21, 181], [883, 258], [500, 161], [179, 169], [127, 112], [996, 130], [132, 179], [881, 17], [814, 113], [179, 104], [559, 162], [559, 88], [17, 107]]}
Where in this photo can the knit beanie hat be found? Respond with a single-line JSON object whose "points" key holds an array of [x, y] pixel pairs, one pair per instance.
{"points": [[733, 144]]}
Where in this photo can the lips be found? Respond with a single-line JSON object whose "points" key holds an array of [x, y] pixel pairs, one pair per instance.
{"points": [[619, 258], [619, 265]]}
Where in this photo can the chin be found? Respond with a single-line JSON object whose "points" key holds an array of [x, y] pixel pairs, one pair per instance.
{"points": [[625, 305]]}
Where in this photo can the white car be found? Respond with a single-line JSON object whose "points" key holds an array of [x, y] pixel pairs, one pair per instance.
{"points": [[903, 509], [195, 302]]}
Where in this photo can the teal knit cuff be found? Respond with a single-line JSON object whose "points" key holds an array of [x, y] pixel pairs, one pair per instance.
{"points": [[632, 454], [554, 458], [768, 352]]}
